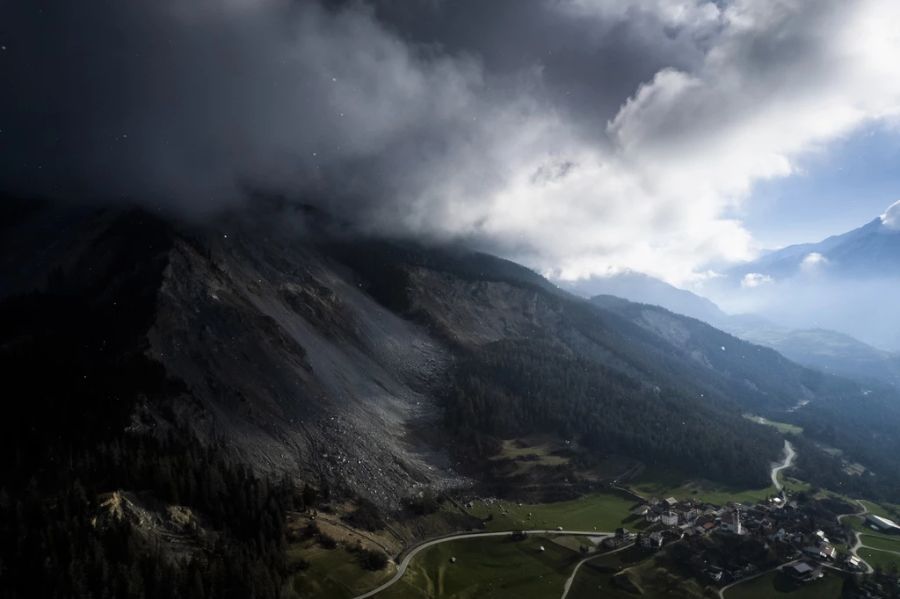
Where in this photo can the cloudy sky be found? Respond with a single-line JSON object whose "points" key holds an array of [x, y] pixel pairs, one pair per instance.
{"points": [[670, 137]]}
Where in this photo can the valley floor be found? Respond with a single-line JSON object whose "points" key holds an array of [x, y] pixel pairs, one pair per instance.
{"points": [[562, 553]]}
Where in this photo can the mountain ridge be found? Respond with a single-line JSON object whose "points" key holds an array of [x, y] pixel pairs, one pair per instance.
{"points": [[360, 362], [826, 350], [865, 251]]}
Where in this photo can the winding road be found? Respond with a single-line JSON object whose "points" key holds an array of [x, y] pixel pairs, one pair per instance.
{"points": [[755, 576], [789, 456], [854, 550], [405, 561], [571, 578]]}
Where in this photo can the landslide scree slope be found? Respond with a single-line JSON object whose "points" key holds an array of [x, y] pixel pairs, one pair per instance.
{"points": [[338, 360]]}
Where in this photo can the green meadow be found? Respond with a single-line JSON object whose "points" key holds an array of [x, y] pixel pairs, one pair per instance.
{"points": [[333, 573], [597, 511], [775, 585], [494, 567]]}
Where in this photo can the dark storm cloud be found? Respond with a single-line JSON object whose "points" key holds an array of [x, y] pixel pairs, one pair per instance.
{"points": [[188, 104], [578, 135], [589, 66]]}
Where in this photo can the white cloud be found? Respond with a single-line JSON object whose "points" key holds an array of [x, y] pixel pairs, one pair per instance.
{"points": [[891, 217], [782, 78], [753, 280], [332, 105], [813, 260]]}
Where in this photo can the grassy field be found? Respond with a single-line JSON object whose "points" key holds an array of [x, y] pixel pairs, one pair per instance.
{"points": [[658, 483], [593, 581], [333, 573], [783, 427], [497, 568], [597, 578], [860, 525], [885, 511], [776, 585], [600, 511], [882, 559], [541, 449], [529, 453], [881, 542]]}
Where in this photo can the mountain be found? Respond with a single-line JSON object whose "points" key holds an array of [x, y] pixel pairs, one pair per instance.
{"points": [[828, 351], [220, 374], [336, 359], [842, 284], [644, 289], [870, 251], [839, 413]]}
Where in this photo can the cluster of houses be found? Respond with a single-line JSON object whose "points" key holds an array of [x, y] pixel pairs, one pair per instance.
{"points": [[691, 517], [779, 524]]}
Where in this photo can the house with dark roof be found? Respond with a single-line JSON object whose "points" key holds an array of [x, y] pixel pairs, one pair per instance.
{"points": [[804, 572]]}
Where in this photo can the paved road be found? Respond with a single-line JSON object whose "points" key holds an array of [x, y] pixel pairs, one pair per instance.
{"points": [[789, 456], [404, 563], [858, 543], [571, 578]]}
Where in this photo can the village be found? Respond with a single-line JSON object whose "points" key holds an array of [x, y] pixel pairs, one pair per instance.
{"points": [[797, 534]]}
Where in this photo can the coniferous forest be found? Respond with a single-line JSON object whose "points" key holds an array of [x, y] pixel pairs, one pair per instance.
{"points": [[512, 388]]}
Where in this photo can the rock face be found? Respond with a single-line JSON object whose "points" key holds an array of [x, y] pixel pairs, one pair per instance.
{"points": [[299, 368], [174, 529], [279, 351]]}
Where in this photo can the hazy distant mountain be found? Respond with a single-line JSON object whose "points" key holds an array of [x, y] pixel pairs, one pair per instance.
{"points": [[826, 350], [644, 289], [845, 283]]}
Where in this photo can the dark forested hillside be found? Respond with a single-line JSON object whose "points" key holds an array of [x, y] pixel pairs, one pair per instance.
{"points": [[858, 419], [514, 387], [56, 539], [75, 375], [754, 376]]}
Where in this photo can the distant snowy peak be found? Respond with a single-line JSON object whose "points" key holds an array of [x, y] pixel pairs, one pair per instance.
{"points": [[872, 250]]}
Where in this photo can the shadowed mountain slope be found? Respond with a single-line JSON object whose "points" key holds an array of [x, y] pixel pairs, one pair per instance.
{"points": [[384, 367]]}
